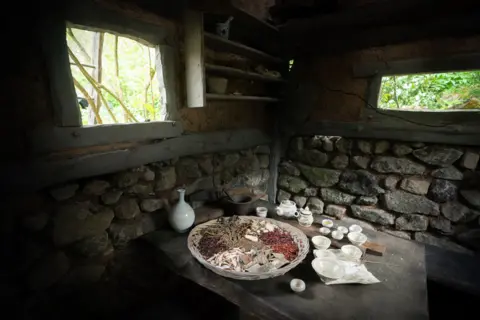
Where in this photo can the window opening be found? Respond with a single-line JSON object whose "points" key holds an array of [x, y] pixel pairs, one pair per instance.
{"points": [[117, 79], [431, 92]]}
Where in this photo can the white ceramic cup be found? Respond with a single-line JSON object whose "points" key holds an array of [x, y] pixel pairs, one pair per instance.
{"points": [[262, 212]]}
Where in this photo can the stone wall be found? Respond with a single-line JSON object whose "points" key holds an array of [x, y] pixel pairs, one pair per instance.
{"points": [[429, 193], [70, 233]]}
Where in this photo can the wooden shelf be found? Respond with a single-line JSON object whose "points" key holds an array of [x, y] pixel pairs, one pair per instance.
{"points": [[218, 43], [226, 97], [237, 73]]}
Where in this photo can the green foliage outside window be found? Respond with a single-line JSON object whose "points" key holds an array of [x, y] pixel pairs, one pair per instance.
{"points": [[430, 92]]}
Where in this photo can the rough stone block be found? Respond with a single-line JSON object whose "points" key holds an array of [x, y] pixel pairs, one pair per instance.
{"points": [[361, 162], [441, 224], [367, 201], [360, 182], [396, 165], [374, 215], [470, 160], [336, 211], [336, 196], [390, 182], [283, 195], [405, 202], [416, 185], [448, 173], [310, 192], [96, 187], [442, 191], [127, 209], [73, 222], [287, 167], [438, 156], [292, 184], [381, 146], [111, 197], [454, 211], [300, 201], [64, 192], [401, 150], [412, 222], [320, 177], [340, 162], [364, 146], [315, 205]]}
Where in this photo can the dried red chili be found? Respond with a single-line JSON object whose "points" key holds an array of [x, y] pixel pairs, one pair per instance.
{"points": [[281, 242]]}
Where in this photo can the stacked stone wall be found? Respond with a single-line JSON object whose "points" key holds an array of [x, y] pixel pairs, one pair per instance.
{"points": [[425, 192]]}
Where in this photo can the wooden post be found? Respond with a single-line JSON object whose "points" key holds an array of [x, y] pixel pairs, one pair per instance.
{"points": [[194, 59]]}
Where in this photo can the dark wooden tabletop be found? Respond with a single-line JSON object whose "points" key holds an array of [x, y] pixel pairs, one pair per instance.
{"points": [[402, 293]]}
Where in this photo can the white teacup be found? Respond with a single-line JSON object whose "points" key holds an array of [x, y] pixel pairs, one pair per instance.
{"points": [[262, 212]]}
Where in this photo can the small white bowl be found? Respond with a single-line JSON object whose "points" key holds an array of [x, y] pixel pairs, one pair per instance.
{"points": [[327, 223], [262, 212], [321, 242], [357, 238], [323, 254], [337, 235], [325, 231], [297, 285], [355, 228], [352, 251], [342, 229], [329, 269]]}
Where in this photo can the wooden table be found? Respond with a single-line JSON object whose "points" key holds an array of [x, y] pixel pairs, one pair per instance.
{"points": [[402, 293]]}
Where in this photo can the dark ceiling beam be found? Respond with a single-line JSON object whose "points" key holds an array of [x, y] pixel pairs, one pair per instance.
{"points": [[344, 40], [384, 13]]}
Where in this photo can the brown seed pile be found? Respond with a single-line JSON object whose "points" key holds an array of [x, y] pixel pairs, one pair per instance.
{"points": [[223, 235]]}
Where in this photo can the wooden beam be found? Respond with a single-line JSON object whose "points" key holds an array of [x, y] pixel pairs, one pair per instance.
{"points": [[375, 14], [47, 172], [97, 17], [194, 59], [54, 45], [454, 134], [166, 63], [459, 62], [231, 97], [47, 140], [343, 40]]}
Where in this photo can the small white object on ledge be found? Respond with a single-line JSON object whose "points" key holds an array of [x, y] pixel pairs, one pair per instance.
{"points": [[337, 235], [357, 238], [297, 285], [355, 228], [262, 212], [324, 231], [321, 242], [327, 223], [342, 229]]}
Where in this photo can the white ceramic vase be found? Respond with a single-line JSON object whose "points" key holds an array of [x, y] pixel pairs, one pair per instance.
{"points": [[181, 216]]}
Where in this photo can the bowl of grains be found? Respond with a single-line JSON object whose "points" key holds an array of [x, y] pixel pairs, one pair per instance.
{"points": [[248, 247]]}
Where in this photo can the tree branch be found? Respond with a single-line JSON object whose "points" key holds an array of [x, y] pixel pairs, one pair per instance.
{"points": [[89, 99]]}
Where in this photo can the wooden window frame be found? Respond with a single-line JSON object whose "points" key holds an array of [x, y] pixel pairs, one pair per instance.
{"points": [[68, 132], [375, 71]]}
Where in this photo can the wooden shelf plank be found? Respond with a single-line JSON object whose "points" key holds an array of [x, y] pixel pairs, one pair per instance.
{"points": [[237, 73], [218, 43], [225, 97]]}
